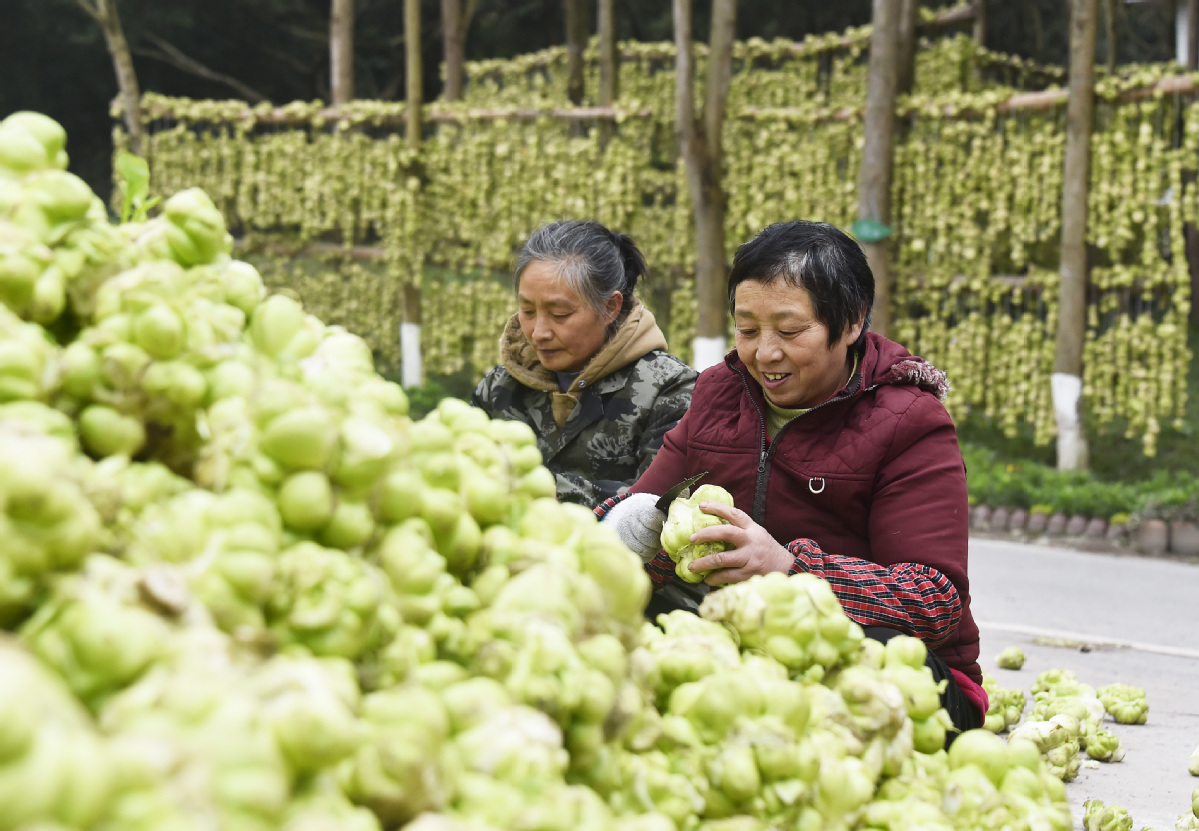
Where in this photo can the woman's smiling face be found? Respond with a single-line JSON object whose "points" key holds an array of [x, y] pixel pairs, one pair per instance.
{"points": [[563, 328], [786, 348]]}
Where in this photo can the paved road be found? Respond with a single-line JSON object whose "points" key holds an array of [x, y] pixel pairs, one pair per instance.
{"points": [[1109, 618]]}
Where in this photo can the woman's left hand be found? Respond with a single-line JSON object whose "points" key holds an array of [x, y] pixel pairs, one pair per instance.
{"points": [[754, 550]]}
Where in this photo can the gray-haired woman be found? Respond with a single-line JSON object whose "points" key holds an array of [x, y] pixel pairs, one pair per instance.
{"points": [[583, 362]]}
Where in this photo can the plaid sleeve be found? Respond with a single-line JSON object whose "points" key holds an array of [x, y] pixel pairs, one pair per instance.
{"points": [[601, 510], [660, 570], [916, 599]]}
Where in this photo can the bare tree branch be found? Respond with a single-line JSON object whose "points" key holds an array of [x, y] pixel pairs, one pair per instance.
{"points": [[299, 67], [391, 89], [91, 10], [169, 53], [303, 33], [107, 16]]}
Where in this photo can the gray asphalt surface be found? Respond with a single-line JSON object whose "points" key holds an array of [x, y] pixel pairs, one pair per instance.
{"points": [[1109, 618]]}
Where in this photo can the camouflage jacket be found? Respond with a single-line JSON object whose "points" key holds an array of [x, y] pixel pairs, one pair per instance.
{"points": [[598, 436]]}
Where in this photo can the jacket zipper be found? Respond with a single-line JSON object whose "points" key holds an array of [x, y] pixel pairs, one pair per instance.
{"points": [[759, 511]]}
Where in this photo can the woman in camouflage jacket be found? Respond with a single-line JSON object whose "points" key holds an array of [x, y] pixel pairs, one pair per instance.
{"points": [[584, 364]]}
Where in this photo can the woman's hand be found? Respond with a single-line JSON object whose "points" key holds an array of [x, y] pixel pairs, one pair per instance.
{"points": [[754, 551]]}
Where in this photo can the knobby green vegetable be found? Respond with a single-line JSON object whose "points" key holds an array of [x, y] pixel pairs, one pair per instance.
{"points": [[683, 519], [287, 605], [796, 620], [1125, 703], [1189, 821], [96, 631], [1056, 739], [1011, 658], [1104, 746], [1105, 817], [53, 766]]}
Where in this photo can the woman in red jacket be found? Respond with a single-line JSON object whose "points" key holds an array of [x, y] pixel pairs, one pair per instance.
{"points": [[837, 450]]}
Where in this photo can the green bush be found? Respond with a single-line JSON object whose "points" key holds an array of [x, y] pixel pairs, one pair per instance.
{"points": [[1170, 496], [993, 481]]}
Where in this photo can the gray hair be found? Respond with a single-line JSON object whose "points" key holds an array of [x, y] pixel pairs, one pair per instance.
{"points": [[592, 262]]}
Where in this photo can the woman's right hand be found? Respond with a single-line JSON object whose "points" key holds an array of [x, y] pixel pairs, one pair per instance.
{"points": [[754, 551]]}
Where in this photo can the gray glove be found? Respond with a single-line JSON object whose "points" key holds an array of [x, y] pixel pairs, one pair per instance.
{"points": [[638, 523]]}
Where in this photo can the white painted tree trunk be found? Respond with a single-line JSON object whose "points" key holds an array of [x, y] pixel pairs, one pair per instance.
{"points": [[707, 352], [1071, 444], [1181, 31], [411, 368]]}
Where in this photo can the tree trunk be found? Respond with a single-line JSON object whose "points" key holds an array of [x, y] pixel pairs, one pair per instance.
{"points": [[341, 52], [980, 23], [720, 72], [609, 60], [878, 152], [700, 143], [455, 23], [1192, 250], [1109, 34], [106, 14], [411, 365], [909, 18], [414, 82], [1080, 116], [576, 42], [1192, 35], [609, 64]]}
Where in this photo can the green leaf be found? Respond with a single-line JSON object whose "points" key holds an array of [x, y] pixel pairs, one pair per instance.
{"points": [[135, 179], [871, 230], [134, 171]]}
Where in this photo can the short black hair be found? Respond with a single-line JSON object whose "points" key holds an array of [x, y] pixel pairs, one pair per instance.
{"points": [[818, 258]]}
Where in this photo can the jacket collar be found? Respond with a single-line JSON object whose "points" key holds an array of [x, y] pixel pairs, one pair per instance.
{"points": [[882, 362]]}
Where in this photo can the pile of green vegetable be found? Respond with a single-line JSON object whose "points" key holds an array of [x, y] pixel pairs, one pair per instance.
{"points": [[242, 589], [1066, 718]]}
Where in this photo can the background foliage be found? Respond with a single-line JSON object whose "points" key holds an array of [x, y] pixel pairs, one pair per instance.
{"points": [[977, 202], [278, 47], [53, 60]]}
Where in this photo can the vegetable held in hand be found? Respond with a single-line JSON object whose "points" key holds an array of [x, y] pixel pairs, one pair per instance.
{"points": [[685, 518]]}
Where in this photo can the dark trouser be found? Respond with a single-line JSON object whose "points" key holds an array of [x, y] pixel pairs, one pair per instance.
{"points": [[964, 714], [673, 596]]}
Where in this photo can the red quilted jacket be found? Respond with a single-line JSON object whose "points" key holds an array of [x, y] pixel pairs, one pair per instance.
{"points": [[874, 477]]}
